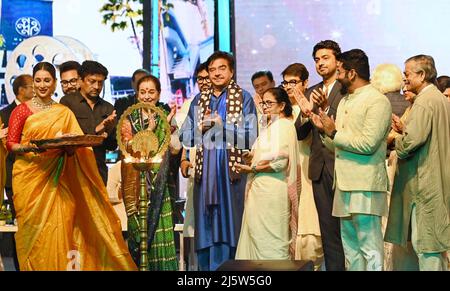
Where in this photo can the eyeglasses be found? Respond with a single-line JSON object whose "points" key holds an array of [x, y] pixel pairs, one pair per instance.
{"points": [[268, 104], [290, 83], [72, 82], [203, 80]]}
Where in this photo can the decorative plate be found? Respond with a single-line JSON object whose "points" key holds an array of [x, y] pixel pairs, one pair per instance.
{"points": [[88, 140]]}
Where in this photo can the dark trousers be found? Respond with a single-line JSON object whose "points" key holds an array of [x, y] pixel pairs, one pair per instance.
{"points": [[329, 225]]}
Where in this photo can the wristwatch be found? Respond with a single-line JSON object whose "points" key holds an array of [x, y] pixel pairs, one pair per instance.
{"points": [[333, 133], [254, 169]]}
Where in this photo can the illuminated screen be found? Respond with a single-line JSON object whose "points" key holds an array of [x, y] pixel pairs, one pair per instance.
{"points": [[186, 40], [74, 31], [273, 34]]}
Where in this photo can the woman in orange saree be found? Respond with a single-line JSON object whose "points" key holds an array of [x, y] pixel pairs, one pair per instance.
{"points": [[65, 221]]}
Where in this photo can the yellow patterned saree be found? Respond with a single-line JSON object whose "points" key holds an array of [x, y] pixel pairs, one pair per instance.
{"points": [[65, 221]]}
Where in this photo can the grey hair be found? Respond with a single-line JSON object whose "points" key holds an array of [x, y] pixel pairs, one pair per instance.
{"points": [[425, 64]]}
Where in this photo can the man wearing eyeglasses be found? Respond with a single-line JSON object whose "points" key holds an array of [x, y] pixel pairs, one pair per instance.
{"points": [[203, 81], [309, 243], [187, 165], [204, 84], [295, 81], [325, 95], [93, 113], [70, 80]]}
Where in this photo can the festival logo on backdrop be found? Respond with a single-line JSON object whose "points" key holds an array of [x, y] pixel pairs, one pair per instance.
{"points": [[28, 26], [22, 19]]}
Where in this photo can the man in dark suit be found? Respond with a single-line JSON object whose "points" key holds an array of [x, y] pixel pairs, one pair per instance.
{"points": [[325, 95], [23, 89]]}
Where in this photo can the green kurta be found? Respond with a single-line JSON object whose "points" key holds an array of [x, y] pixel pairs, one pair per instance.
{"points": [[423, 177]]}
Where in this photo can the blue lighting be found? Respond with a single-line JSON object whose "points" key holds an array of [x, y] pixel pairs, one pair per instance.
{"points": [[224, 25], [155, 38]]}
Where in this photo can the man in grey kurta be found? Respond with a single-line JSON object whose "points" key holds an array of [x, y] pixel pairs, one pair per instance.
{"points": [[358, 139], [421, 193]]}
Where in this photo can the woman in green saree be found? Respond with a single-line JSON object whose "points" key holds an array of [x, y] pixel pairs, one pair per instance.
{"points": [[161, 245]]}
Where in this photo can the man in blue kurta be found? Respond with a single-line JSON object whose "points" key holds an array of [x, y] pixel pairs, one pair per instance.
{"points": [[221, 122]]}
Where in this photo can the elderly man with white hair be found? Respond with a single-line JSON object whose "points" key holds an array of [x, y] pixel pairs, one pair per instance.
{"points": [[388, 79]]}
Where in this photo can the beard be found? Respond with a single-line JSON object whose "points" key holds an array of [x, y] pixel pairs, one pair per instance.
{"points": [[70, 90], [205, 88], [345, 84], [344, 87]]}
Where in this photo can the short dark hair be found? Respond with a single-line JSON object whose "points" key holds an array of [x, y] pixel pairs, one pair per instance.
{"points": [[443, 83], [201, 67], [139, 71], [426, 65], [221, 55], [92, 68], [260, 74], [46, 66], [20, 82], [152, 79], [356, 59], [327, 44], [282, 96], [298, 70], [69, 66]]}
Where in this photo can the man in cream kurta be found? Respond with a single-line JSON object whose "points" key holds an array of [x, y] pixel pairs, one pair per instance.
{"points": [[359, 140], [421, 193]]}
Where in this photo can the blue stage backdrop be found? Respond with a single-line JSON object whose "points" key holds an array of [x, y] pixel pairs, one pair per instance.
{"points": [[273, 34], [21, 19]]}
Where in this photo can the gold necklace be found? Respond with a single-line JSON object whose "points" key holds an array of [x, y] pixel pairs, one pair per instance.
{"points": [[37, 102]]}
